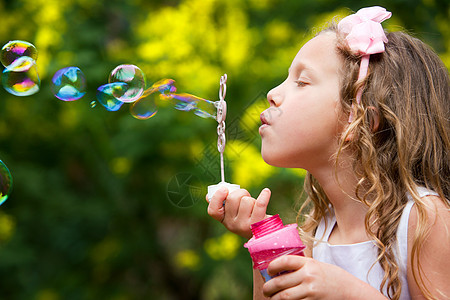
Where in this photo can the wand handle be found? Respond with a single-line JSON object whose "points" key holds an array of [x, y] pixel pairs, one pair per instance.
{"points": [[221, 106]]}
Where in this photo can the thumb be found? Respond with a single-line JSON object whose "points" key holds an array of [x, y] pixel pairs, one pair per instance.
{"points": [[260, 208]]}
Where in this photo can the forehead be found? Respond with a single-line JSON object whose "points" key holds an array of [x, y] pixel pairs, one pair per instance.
{"points": [[319, 54]]}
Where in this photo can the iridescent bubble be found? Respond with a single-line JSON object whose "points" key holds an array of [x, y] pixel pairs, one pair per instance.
{"points": [[183, 101], [106, 95], [206, 109], [146, 106], [5, 182], [93, 104], [24, 82], [165, 86], [22, 64], [187, 102], [133, 77], [16, 49], [69, 84]]}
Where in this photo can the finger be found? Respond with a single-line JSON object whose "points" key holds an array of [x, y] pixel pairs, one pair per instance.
{"points": [[245, 208], [282, 286], [294, 292], [233, 201], [260, 207], [286, 263], [215, 207]]}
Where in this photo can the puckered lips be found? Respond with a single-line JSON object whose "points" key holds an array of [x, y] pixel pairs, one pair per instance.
{"points": [[263, 119], [264, 122]]}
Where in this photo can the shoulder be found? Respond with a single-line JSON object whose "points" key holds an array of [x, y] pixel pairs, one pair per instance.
{"points": [[437, 214], [431, 220]]}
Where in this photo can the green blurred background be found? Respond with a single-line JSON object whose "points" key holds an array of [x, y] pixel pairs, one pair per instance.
{"points": [[105, 206]]}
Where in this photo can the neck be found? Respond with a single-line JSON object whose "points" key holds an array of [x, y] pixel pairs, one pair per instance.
{"points": [[338, 183]]}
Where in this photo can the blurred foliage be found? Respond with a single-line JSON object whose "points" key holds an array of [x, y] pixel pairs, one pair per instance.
{"points": [[105, 206]]}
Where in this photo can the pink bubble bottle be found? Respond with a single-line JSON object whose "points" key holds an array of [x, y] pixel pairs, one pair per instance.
{"points": [[272, 239]]}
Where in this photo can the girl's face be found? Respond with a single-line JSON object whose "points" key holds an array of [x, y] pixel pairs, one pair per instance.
{"points": [[301, 127]]}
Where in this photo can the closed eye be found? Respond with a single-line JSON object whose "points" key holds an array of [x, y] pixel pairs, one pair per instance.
{"points": [[301, 83]]}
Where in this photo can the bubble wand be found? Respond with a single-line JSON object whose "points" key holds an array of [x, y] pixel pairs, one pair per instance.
{"points": [[221, 106]]}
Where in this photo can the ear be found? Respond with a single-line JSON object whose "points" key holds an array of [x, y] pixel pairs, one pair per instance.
{"points": [[349, 137], [374, 121]]}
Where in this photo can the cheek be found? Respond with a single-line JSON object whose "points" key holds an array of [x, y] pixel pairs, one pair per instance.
{"points": [[281, 145], [305, 129], [308, 121]]}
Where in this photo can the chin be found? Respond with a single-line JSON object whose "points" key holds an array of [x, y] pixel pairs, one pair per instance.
{"points": [[266, 157], [274, 161], [277, 159]]}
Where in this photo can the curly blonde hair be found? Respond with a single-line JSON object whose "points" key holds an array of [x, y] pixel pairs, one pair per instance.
{"points": [[408, 88]]}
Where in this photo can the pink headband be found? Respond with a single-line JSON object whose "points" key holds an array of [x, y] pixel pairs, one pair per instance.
{"points": [[365, 36]]}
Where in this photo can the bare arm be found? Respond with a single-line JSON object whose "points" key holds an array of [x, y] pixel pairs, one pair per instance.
{"points": [[435, 251], [238, 213], [307, 278]]}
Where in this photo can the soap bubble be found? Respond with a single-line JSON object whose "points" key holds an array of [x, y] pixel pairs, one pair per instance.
{"points": [[183, 101], [206, 109], [69, 84], [133, 77], [187, 102], [5, 182], [126, 84], [107, 95], [22, 64], [165, 86], [21, 78], [16, 49], [146, 106]]}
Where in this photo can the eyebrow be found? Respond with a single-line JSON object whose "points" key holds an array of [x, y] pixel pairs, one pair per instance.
{"points": [[303, 67]]}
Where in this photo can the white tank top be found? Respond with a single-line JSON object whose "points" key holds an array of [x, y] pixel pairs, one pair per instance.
{"points": [[358, 259]]}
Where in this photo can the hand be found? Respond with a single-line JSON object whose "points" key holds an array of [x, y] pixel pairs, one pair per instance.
{"points": [[307, 278], [239, 210]]}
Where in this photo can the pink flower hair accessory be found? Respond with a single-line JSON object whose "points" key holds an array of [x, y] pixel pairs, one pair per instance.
{"points": [[365, 35]]}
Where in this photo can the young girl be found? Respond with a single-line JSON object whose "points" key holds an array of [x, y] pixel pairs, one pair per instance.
{"points": [[367, 114]]}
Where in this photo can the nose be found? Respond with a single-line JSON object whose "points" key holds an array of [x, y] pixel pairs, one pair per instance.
{"points": [[274, 96]]}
